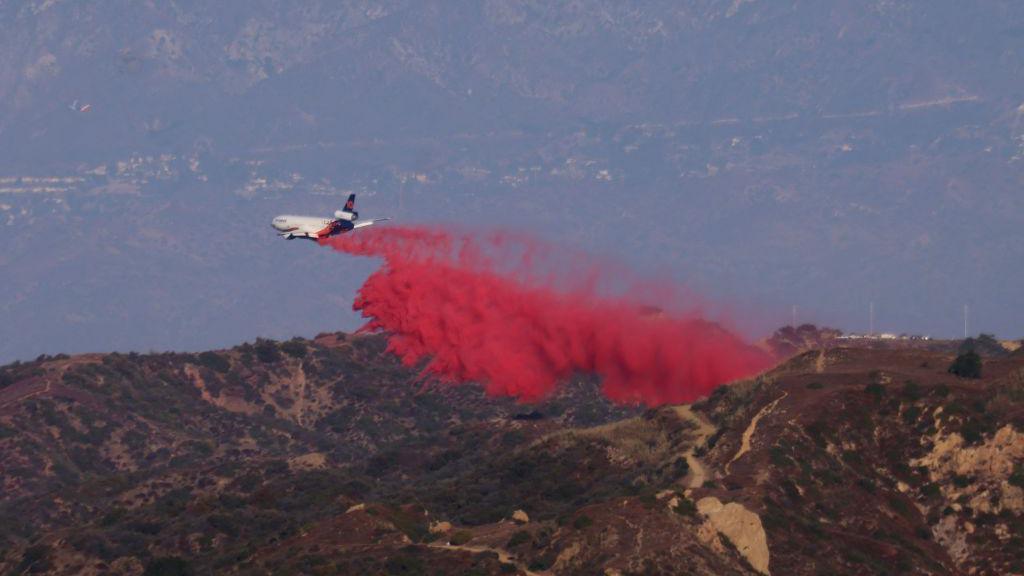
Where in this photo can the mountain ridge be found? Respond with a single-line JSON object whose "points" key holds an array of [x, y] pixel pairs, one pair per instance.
{"points": [[876, 459]]}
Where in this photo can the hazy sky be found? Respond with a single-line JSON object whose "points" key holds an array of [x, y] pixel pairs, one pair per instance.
{"points": [[826, 155]]}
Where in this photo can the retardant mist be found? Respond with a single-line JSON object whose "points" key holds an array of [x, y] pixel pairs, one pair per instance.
{"points": [[480, 308]]}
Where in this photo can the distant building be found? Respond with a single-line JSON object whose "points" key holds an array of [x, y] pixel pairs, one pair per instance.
{"points": [[884, 336]]}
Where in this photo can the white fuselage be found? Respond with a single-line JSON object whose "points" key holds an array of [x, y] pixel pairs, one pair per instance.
{"points": [[314, 228], [304, 226]]}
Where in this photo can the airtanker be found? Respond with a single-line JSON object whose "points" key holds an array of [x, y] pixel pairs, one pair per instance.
{"points": [[316, 227]]}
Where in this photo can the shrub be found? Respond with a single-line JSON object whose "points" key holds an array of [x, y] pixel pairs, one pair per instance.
{"points": [[910, 415], [777, 455], [520, 537], [541, 564], [648, 499], [1017, 478], [961, 481], [460, 537], [214, 362], [149, 528], [266, 351], [115, 515], [818, 431], [380, 464], [875, 389], [295, 348], [974, 430], [911, 391], [685, 507], [170, 566], [966, 365], [986, 344], [866, 484], [35, 559], [900, 506], [581, 522], [224, 523], [409, 522], [829, 477], [791, 489], [512, 438], [405, 565], [681, 467], [815, 385], [65, 471], [92, 544]]}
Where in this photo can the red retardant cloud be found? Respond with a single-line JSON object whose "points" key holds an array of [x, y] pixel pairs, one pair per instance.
{"points": [[474, 307]]}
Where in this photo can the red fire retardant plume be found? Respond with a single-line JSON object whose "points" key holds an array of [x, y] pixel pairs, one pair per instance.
{"points": [[451, 299]]}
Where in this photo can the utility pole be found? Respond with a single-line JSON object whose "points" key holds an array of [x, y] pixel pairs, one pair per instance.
{"points": [[966, 312], [794, 315], [871, 319]]}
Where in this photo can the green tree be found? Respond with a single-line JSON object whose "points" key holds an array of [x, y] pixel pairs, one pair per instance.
{"points": [[266, 351], [984, 345], [170, 566], [295, 348], [214, 362], [967, 365], [35, 559]]}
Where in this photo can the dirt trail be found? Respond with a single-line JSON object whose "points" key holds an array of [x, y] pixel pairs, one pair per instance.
{"points": [[38, 385], [503, 556], [299, 393], [229, 403], [22, 391], [748, 434], [698, 473]]}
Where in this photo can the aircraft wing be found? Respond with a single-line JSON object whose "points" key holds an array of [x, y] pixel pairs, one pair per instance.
{"points": [[361, 223]]}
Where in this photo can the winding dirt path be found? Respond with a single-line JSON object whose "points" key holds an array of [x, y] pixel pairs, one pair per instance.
{"points": [[17, 393], [698, 473], [503, 556], [41, 384], [748, 434], [299, 393], [819, 364]]}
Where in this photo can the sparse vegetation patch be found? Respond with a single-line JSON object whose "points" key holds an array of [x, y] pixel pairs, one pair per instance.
{"points": [[966, 365]]}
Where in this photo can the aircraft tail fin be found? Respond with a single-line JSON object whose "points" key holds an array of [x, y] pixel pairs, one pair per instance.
{"points": [[350, 204]]}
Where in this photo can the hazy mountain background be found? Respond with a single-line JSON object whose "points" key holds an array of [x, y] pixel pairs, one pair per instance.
{"points": [[766, 153]]}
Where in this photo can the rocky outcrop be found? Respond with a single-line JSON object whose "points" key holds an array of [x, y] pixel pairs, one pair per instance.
{"points": [[741, 526], [988, 465], [975, 483]]}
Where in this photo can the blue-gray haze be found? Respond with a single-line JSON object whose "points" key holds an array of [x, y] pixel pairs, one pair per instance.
{"points": [[823, 154]]}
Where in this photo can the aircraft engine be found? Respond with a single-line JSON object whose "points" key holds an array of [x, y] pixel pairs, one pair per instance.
{"points": [[350, 216]]}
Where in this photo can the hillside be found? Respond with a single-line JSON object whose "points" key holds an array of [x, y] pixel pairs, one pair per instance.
{"points": [[116, 457], [325, 456]]}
